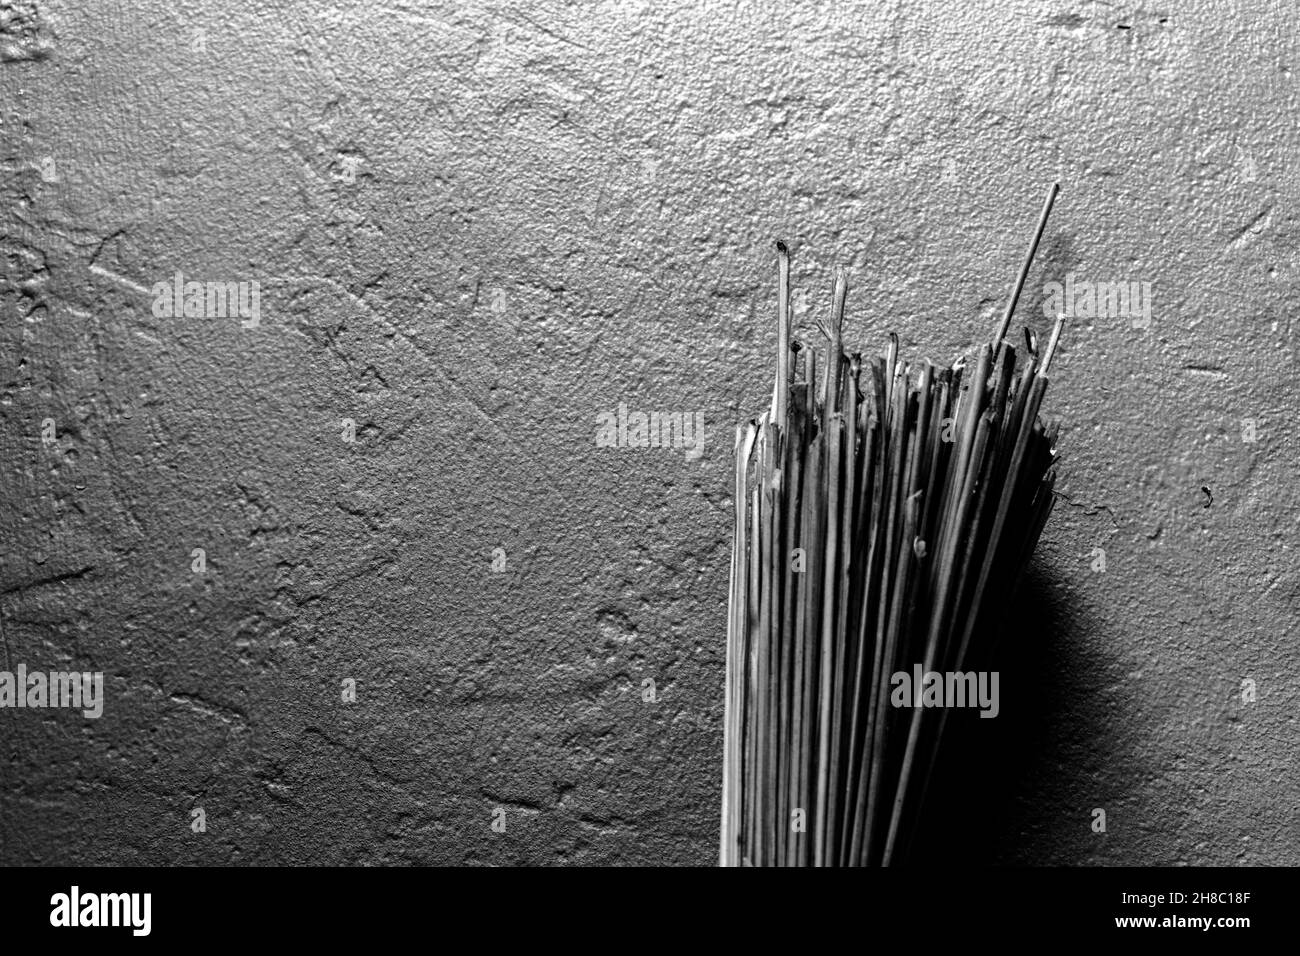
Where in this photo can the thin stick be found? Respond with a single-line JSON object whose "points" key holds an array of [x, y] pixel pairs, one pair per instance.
{"points": [[1024, 267], [729, 851], [780, 410]]}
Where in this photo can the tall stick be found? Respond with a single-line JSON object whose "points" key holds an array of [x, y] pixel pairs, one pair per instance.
{"points": [[1024, 267]]}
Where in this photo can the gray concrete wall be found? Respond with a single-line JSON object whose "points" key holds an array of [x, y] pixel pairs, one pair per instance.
{"points": [[476, 227]]}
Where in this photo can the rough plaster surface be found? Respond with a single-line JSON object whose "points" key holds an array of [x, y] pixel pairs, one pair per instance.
{"points": [[475, 227]]}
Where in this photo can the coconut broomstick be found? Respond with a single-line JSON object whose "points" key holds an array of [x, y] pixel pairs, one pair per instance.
{"points": [[885, 510]]}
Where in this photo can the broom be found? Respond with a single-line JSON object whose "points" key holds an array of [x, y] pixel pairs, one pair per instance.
{"points": [[884, 511]]}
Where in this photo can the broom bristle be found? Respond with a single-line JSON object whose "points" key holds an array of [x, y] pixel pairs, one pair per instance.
{"points": [[881, 523]]}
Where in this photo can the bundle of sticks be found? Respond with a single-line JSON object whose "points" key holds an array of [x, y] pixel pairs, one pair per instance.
{"points": [[885, 510]]}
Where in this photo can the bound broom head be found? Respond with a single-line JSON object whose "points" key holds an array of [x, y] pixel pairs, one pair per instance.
{"points": [[885, 510]]}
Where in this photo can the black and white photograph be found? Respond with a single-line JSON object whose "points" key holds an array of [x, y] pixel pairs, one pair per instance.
{"points": [[628, 435]]}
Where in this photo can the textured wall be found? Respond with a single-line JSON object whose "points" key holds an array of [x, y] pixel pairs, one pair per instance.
{"points": [[476, 227]]}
